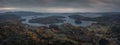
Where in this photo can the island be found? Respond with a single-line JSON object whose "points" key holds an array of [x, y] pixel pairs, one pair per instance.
{"points": [[48, 20]]}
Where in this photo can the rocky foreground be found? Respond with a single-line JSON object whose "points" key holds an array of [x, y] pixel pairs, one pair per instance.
{"points": [[14, 33]]}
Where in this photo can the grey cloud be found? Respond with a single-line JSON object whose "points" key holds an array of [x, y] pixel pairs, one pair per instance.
{"points": [[88, 4]]}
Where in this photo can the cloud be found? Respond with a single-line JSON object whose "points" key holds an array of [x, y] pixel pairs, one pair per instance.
{"points": [[98, 5]]}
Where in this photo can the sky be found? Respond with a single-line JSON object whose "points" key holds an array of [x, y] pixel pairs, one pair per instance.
{"points": [[61, 5]]}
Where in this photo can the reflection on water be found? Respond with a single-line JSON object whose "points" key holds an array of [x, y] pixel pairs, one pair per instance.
{"points": [[87, 23]]}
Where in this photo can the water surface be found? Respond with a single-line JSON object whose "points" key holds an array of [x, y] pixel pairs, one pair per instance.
{"points": [[67, 20]]}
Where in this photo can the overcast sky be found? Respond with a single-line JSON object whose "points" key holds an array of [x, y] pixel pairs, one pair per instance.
{"points": [[61, 5]]}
